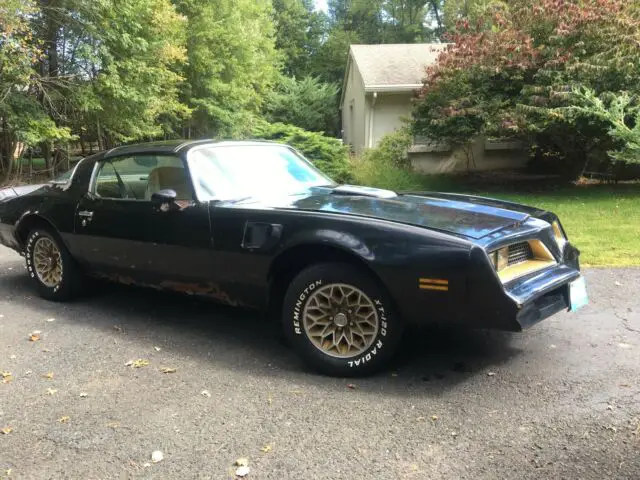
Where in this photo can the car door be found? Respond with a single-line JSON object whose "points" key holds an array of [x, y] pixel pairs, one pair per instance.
{"points": [[182, 250], [113, 220]]}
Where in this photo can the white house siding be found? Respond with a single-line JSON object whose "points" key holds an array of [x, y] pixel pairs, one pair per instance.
{"points": [[354, 110], [388, 112], [485, 156]]}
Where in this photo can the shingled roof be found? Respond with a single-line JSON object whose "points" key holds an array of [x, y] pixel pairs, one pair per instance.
{"points": [[398, 66]]}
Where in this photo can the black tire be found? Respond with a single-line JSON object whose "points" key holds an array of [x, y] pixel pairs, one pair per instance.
{"points": [[372, 358], [71, 278]]}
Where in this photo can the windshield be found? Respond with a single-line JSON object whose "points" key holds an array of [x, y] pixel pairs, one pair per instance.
{"points": [[226, 172]]}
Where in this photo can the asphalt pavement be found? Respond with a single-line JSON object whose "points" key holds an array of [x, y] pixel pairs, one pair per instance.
{"points": [[88, 397]]}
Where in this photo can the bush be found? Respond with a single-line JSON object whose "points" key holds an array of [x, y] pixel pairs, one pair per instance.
{"points": [[307, 103], [326, 153], [393, 149]]}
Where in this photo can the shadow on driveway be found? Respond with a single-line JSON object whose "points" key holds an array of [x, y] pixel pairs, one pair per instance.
{"points": [[430, 358]]}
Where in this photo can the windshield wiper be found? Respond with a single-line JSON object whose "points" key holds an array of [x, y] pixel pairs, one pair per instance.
{"points": [[240, 199]]}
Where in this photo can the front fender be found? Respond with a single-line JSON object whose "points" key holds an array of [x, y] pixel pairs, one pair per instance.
{"points": [[347, 242]]}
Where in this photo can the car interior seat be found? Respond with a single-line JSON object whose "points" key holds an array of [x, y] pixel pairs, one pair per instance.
{"points": [[174, 178]]}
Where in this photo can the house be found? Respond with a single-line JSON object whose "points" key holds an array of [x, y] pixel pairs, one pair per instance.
{"points": [[379, 83]]}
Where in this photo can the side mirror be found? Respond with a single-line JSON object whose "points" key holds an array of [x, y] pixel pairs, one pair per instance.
{"points": [[164, 195]]}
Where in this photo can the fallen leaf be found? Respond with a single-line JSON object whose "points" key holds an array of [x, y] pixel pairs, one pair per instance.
{"points": [[34, 336], [157, 349], [609, 407], [242, 471], [64, 419], [168, 370], [6, 430], [241, 462], [6, 377], [48, 375], [351, 386], [113, 424], [266, 449], [205, 393], [51, 391], [51, 319], [157, 456], [83, 395], [434, 418], [139, 363]]}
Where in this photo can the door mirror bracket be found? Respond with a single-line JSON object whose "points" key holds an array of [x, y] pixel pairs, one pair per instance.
{"points": [[164, 195]]}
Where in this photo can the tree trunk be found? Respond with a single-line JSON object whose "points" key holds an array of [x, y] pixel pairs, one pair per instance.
{"points": [[99, 130], [46, 153]]}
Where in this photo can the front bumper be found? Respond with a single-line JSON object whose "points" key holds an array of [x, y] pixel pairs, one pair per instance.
{"points": [[525, 301]]}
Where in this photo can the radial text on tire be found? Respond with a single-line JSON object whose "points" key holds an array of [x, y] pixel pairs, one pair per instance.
{"points": [[340, 320], [51, 266]]}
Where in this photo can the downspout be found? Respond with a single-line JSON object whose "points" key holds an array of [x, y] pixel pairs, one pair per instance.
{"points": [[373, 104]]}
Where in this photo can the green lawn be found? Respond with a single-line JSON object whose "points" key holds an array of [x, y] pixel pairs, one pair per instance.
{"points": [[603, 221]]}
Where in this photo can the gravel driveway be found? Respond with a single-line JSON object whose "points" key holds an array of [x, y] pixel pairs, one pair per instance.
{"points": [[561, 400]]}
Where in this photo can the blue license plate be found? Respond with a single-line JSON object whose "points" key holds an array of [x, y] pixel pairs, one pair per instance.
{"points": [[578, 294]]}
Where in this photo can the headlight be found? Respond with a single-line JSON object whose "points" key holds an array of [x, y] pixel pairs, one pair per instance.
{"points": [[500, 258], [558, 234]]}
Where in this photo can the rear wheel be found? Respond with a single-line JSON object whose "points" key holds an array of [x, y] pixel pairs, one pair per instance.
{"points": [[51, 266], [340, 320]]}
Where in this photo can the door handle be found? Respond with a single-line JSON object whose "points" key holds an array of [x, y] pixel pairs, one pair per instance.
{"points": [[85, 214]]}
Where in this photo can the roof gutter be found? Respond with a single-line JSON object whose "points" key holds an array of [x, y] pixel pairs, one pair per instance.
{"points": [[371, 113], [392, 88]]}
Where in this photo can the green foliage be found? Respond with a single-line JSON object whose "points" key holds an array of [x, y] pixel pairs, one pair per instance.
{"points": [[298, 32], [232, 63], [307, 103], [391, 150], [620, 112], [509, 73], [326, 153], [372, 22], [141, 44]]}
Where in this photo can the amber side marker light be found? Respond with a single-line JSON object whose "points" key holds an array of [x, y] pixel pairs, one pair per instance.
{"points": [[433, 284]]}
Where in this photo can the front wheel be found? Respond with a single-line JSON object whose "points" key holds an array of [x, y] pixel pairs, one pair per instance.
{"points": [[51, 266], [340, 320]]}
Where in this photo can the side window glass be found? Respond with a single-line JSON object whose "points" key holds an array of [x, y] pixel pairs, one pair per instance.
{"points": [[169, 173], [137, 177], [123, 178]]}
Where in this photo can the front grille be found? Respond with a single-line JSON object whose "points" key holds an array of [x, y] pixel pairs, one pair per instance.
{"points": [[519, 252]]}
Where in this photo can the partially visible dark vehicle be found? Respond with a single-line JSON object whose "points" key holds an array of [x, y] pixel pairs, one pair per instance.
{"points": [[254, 224]]}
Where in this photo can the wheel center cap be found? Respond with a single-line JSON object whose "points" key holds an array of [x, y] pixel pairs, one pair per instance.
{"points": [[341, 320]]}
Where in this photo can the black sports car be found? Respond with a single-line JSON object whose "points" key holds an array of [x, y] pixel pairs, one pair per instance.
{"points": [[254, 224]]}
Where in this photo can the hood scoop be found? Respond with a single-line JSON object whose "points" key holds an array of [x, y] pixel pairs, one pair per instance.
{"points": [[363, 191]]}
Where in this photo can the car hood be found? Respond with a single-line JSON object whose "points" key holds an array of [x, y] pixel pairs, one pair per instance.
{"points": [[461, 217]]}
